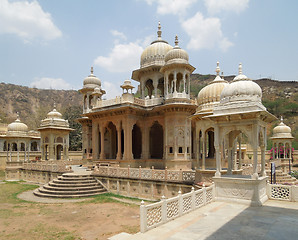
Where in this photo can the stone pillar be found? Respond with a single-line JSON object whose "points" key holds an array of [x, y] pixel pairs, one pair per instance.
{"points": [[240, 153], [235, 167], [128, 140], [145, 141], [95, 142], [102, 142], [217, 151], [184, 83], [203, 152], [18, 151], [263, 171], [155, 84], [166, 86], [230, 161], [255, 152], [175, 82]]}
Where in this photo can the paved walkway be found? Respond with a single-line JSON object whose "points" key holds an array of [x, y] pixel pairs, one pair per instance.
{"points": [[226, 221]]}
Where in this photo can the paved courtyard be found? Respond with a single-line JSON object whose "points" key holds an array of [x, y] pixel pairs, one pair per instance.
{"points": [[226, 221]]}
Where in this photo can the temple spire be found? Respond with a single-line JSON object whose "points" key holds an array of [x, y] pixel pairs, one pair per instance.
{"points": [[91, 71], [176, 41], [217, 70], [240, 68], [159, 31]]}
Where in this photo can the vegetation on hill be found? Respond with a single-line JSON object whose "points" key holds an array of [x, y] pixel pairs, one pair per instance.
{"points": [[279, 97]]}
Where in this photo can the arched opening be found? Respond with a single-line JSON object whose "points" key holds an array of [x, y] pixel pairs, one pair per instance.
{"points": [[90, 102], [179, 83], [186, 83], [59, 150], [171, 83], [14, 147], [34, 146], [46, 151], [111, 145], [22, 147], [210, 143], [5, 146], [156, 141], [160, 87], [136, 142], [85, 102], [149, 88]]}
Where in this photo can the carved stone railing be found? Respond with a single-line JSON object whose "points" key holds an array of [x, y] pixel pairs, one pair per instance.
{"points": [[282, 192], [47, 167], [146, 174], [161, 212]]}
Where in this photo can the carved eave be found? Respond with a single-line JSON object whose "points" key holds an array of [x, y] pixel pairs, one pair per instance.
{"points": [[83, 120], [137, 74], [261, 115], [55, 128], [189, 67]]}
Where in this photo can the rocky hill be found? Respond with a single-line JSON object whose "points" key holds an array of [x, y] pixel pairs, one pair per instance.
{"points": [[279, 97]]}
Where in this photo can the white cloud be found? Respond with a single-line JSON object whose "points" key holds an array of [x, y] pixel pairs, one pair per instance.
{"points": [[176, 7], [216, 6], [205, 33], [112, 90], [122, 58], [118, 34], [50, 83], [27, 20]]}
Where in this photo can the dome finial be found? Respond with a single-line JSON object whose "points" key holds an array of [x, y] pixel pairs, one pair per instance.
{"points": [[18, 116], [91, 70], [240, 68], [159, 31], [176, 41], [281, 119], [54, 105], [217, 69]]}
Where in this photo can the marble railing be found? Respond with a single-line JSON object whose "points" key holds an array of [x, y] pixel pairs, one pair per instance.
{"points": [[61, 166], [129, 99], [146, 174], [282, 192], [161, 212]]}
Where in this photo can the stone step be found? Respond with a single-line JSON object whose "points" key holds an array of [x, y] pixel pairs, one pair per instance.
{"points": [[54, 192], [76, 188], [39, 194], [75, 178], [61, 181], [72, 184]]}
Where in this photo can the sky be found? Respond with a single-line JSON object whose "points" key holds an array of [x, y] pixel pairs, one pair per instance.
{"points": [[53, 43]]}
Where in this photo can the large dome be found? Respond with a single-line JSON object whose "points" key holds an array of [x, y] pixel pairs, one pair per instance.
{"points": [[91, 81], [210, 94], [282, 131], [17, 127], [176, 55], [155, 53], [241, 89]]}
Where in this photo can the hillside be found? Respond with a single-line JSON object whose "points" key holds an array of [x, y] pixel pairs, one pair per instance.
{"points": [[279, 97], [33, 104]]}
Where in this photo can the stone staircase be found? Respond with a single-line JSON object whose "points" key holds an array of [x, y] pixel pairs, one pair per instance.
{"points": [[282, 177], [71, 185]]}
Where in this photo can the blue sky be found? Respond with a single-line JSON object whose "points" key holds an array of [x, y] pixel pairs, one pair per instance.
{"points": [[53, 44]]}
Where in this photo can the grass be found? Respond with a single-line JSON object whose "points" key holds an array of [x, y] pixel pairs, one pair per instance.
{"points": [[2, 175], [10, 190]]}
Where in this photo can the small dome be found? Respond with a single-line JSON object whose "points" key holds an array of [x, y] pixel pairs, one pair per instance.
{"points": [[282, 131], [92, 81], [17, 126], [241, 89], [155, 53], [176, 55], [54, 114], [210, 94]]}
